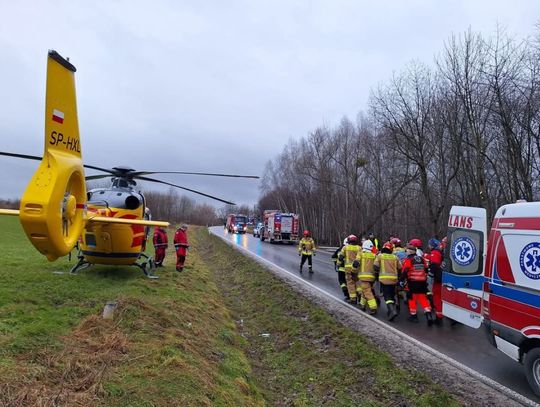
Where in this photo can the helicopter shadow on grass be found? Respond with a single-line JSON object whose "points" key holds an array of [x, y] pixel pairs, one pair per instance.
{"points": [[120, 274]]}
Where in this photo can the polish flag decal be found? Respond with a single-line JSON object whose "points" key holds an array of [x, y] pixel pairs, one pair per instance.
{"points": [[58, 116]]}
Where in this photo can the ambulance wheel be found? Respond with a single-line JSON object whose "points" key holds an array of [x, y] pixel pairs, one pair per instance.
{"points": [[532, 369]]}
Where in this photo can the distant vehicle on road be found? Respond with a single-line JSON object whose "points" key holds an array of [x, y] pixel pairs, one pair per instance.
{"points": [[494, 280], [279, 227], [236, 223], [257, 229]]}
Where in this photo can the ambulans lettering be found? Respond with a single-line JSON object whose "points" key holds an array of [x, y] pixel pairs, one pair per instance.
{"points": [[460, 221], [69, 143], [463, 251], [529, 260]]}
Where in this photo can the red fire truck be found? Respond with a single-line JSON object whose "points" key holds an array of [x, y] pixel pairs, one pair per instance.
{"points": [[279, 227], [236, 223], [494, 280]]}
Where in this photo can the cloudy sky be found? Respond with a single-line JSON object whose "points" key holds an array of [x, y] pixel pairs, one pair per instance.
{"points": [[215, 85]]}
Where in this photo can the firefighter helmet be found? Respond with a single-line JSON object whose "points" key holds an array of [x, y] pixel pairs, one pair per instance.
{"points": [[388, 246], [416, 243], [352, 239], [395, 241], [306, 233]]}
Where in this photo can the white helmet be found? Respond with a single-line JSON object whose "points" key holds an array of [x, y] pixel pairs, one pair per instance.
{"points": [[367, 245]]}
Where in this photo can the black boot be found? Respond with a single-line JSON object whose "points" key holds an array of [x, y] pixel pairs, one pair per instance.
{"points": [[345, 293], [438, 321], [392, 313], [413, 318], [310, 269], [429, 318]]}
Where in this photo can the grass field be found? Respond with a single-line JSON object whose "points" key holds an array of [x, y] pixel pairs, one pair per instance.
{"points": [[192, 338]]}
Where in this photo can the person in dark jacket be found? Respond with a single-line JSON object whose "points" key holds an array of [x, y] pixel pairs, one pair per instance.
{"points": [[339, 266], [435, 272]]}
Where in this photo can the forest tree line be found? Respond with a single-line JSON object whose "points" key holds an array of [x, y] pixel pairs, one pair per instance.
{"points": [[465, 131]]}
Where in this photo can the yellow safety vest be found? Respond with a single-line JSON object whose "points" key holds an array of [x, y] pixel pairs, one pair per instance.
{"points": [[367, 259], [388, 268]]}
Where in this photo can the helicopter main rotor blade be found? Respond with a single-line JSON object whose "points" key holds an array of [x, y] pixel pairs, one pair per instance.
{"points": [[38, 158], [139, 173], [25, 156], [93, 167], [187, 189], [93, 177]]}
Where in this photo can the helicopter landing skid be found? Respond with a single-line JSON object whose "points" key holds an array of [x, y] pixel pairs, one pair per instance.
{"points": [[81, 264], [147, 267]]}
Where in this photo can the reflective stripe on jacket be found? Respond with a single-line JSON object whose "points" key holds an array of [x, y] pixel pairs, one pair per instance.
{"points": [[367, 260], [350, 252], [160, 238], [306, 246], [414, 271], [388, 266]]}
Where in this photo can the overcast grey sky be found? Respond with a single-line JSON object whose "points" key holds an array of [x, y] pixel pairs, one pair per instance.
{"points": [[215, 85]]}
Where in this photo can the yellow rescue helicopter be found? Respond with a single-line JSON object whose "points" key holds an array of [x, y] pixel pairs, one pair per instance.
{"points": [[110, 225]]}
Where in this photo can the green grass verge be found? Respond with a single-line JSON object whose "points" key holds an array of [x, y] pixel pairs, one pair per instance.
{"points": [[172, 341], [309, 359]]}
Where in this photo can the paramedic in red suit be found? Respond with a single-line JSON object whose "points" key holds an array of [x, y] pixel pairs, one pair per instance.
{"points": [[161, 242], [414, 275], [181, 245], [435, 271]]}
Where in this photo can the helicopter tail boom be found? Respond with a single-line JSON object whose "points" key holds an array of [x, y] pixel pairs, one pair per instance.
{"points": [[9, 212], [104, 219]]}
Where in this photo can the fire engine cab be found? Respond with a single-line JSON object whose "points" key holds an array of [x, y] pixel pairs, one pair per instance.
{"points": [[494, 280], [279, 227]]}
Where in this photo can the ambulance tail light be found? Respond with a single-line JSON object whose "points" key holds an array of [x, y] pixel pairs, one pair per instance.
{"points": [[486, 290]]}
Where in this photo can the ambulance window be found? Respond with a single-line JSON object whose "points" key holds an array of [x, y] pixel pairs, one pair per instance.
{"points": [[464, 253]]}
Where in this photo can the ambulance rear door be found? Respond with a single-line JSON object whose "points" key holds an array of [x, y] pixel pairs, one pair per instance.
{"points": [[463, 266]]}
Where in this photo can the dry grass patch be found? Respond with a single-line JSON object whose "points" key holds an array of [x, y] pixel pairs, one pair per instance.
{"points": [[74, 374]]}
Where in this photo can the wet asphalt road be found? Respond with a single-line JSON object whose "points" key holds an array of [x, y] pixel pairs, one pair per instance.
{"points": [[466, 345]]}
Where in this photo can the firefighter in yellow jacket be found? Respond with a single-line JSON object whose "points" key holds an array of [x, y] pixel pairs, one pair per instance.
{"points": [[366, 275], [388, 266], [306, 249], [349, 255]]}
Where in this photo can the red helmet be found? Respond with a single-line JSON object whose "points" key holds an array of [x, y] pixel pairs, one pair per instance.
{"points": [[388, 246], [395, 241], [416, 243], [352, 239], [306, 233]]}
